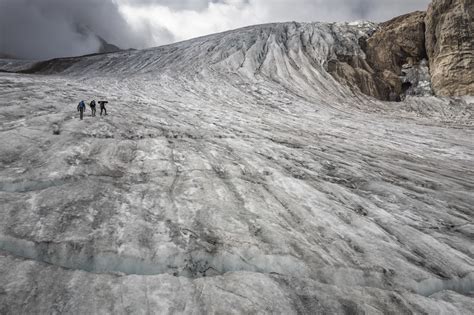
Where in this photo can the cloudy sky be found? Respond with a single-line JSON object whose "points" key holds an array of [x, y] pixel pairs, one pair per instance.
{"points": [[40, 29]]}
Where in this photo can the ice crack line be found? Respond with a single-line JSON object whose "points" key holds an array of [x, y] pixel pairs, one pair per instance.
{"points": [[82, 257]]}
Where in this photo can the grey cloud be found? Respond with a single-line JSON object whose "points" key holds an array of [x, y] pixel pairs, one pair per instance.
{"points": [[39, 29], [179, 5], [304, 10], [195, 5], [51, 28], [339, 10], [382, 10]]}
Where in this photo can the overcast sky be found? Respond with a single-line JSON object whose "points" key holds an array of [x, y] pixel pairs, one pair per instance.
{"points": [[40, 29]]}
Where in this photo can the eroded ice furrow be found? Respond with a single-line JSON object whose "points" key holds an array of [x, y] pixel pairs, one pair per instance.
{"points": [[463, 285], [203, 264]]}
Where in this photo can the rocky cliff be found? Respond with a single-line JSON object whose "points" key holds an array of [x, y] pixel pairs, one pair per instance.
{"points": [[396, 43], [392, 46], [450, 46], [442, 35]]}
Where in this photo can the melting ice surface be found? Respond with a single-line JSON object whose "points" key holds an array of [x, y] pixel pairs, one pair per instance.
{"points": [[232, 174]]}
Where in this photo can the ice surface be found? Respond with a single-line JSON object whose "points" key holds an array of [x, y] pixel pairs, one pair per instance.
{"points": [[233, 175]]}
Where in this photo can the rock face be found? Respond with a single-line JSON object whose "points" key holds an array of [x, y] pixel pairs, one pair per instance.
{"points": [[398, 42], [106, 47], [450, 46], [350, 67], [442, 35], [354, 72]]}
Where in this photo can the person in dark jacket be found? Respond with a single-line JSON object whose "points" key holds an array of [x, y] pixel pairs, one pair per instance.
{"points": [[102, 107], [92, 105], [81, 108]]}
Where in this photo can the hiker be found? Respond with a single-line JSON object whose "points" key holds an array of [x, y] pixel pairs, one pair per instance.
{"points": [[81, 108], [92, 105], [102, 107]]}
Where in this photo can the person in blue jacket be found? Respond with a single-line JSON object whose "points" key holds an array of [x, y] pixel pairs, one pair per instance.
{"points": [[81, 108]]}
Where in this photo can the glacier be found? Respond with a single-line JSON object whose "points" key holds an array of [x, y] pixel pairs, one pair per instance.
{"points": [[232, 175]]}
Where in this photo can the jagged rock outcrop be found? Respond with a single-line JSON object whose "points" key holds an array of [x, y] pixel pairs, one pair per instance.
{"points": [[106, 47], [354, 72], [450, 46], [442, 35], [395, 43]]}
